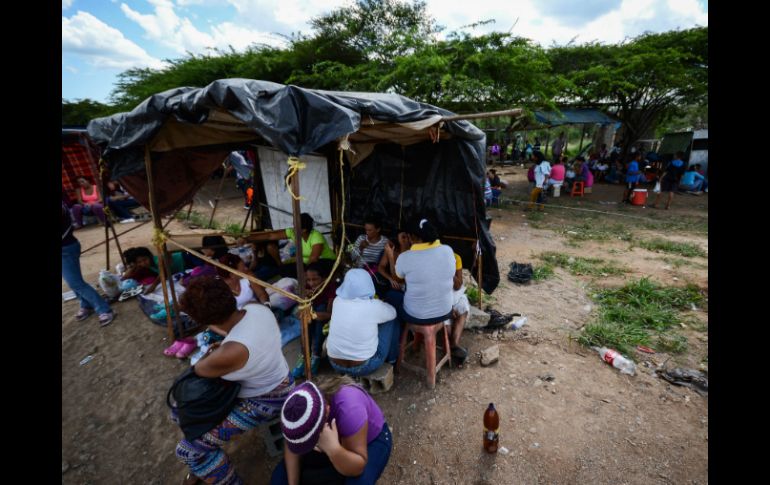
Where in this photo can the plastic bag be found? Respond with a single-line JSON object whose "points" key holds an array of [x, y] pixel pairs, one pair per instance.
{"points": [[278, 300], [657, 187], [109, 283], [520, 273]]}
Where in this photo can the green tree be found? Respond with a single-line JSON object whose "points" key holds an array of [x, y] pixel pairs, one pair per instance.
{"points": [[644, 79], [79, 112]]}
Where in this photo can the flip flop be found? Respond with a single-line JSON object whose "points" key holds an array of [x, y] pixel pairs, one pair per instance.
{"points": [[131, 293], [173, 348], [185, 350]]}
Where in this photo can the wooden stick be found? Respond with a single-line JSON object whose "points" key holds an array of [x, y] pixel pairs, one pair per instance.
{"points": [[107, 241], [124, 232], [157, 222], [481, 290], [305, 315], [117, 243], [189, 209], [216, 199], [490, 114]]}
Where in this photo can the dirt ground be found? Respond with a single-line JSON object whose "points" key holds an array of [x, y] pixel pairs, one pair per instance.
{"points": [[590, 424]]}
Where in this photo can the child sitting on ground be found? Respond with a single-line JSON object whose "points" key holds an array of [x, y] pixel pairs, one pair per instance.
{"points": [[139, 261]]}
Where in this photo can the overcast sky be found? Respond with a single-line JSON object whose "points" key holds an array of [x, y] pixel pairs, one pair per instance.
{"points": [[101, 38]]}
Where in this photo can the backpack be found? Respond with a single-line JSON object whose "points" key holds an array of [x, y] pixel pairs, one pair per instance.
{"points": [[520, 273]]}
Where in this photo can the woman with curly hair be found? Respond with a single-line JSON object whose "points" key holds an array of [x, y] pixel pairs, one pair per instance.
{"points": [[250, 355]]}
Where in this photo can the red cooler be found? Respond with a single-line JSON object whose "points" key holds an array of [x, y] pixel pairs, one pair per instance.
{"points": [[640, 197]]}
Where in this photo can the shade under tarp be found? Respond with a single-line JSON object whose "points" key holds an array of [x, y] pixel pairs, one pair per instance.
{"points": [[189, 131]]}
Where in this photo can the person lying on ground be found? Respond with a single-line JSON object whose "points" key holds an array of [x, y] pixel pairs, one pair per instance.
{"points": [[315, 275], [369, 247], [89, 203], [335, 433], [363, 332], [243, 290], [250, 355]]}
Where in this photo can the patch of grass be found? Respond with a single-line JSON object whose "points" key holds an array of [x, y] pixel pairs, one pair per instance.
{"points": [[535, 216], [679, 262], [197, 219], [696, 225], [597, 232], [672, 343], [234, 230], [473, 296], [632, 314], [543, 272], [687, 250], [577, 265]]}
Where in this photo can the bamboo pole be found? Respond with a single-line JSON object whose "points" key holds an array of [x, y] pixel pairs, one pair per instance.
{"points": [[547, 141], [189, 209], [481, 290], [491, 114], [161, 261], [305, 313], [216, 199], [124, 232], [117, 243], [582, 135]]}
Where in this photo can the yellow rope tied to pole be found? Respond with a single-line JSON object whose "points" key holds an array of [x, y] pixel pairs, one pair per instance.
{"points": [[295, 165], [159, 237]]}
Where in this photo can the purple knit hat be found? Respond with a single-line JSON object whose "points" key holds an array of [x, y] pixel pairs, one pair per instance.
{"points": [[302, 417]]}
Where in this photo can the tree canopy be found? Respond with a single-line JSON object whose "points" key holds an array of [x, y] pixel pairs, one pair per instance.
{"points": [[394, 46]]}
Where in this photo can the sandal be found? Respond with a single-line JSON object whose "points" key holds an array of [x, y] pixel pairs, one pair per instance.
{"points": [[106, 318], [173, 348], [186, 349], [83, 313]]}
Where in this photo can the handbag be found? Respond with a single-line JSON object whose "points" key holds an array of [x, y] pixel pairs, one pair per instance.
{"points": [[201, 402]]}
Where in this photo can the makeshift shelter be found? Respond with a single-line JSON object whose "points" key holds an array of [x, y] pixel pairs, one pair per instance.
{"points": [[404, 158]]}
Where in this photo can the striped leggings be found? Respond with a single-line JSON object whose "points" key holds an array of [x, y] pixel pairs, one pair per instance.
{"points": [[205, 456]]}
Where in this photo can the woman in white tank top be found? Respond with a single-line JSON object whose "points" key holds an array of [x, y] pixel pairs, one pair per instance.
{"points": [[243, 290], [250, 355]]}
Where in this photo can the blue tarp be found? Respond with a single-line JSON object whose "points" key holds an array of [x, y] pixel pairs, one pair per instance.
{"points": [[573, 116]]}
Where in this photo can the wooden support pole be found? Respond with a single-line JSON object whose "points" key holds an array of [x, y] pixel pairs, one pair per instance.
{"points": [[216, 199], [582, 135], [547, 141], [160, 247], [107, 242], [305, 314], [491, 114], [189, 209], [117, 243], [124, 232], [481, 290]]}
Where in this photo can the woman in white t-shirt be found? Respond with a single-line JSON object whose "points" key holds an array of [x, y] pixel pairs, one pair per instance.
{"points": [[250, 355], [428, 269], [243, 290], [363, 331]]}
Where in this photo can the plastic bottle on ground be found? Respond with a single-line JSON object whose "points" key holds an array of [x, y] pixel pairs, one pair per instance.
{"points": [[518, 323], [616, 360]]}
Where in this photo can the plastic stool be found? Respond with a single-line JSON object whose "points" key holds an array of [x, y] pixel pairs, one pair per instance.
{"points": [[578, 189], [427, 334]]}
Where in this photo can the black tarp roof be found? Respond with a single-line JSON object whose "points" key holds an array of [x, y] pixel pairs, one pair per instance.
{"points": [[189, 131]]}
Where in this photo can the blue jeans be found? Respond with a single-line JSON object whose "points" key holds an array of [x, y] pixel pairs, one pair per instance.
{"points": [[388, 342], [378, 454], [70, 271], [120, 207]]}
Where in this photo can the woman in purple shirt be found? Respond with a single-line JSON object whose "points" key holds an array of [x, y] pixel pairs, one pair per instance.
{"points": [[334, 433]]}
